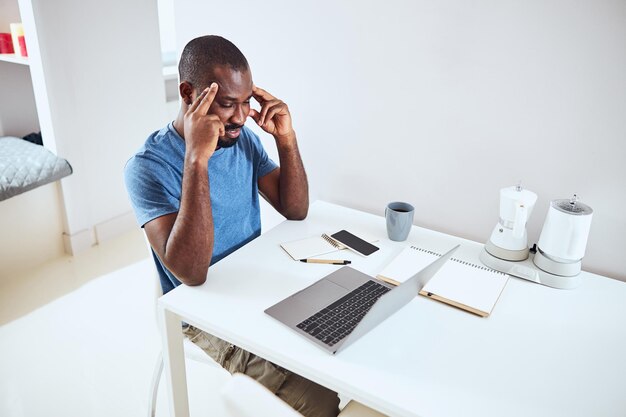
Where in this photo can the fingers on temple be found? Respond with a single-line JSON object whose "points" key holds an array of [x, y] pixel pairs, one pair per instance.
{"points": [[206, 102], [194, 105], [274, 110], [266, 107], [261, 95]]}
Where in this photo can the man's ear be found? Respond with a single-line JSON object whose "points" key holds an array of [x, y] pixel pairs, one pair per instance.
{"points": [[185, 89]]}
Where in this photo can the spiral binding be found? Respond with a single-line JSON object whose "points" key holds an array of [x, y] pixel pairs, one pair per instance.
{"points": [[460, 261], [331, 241]]}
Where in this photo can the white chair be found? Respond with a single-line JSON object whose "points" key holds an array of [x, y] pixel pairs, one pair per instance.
{"points": [[214, 392], [210, 375]]}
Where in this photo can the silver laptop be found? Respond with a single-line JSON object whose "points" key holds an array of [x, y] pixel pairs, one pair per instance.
{"points": [[343, 306]]}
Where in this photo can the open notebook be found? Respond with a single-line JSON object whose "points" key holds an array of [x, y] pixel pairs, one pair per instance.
{"points": [[311, 247], [471, 287]]}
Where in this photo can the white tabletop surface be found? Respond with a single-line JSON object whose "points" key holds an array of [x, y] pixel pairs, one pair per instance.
{"points": [[542, 352]]}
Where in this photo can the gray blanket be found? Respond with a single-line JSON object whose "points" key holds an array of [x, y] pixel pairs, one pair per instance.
{"points": [[24, 166]]}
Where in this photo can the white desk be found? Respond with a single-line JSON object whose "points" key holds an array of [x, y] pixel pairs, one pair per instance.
{"points": [[543, 352]]}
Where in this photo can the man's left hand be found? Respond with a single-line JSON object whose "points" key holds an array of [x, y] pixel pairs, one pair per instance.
{"points": [[274, 117]]}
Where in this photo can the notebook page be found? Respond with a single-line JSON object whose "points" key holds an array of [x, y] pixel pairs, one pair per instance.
{"points": [[472, 287], [309, 247], [405, 265]]}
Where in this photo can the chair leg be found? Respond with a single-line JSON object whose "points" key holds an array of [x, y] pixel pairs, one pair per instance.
{"points": [[154, 385]]}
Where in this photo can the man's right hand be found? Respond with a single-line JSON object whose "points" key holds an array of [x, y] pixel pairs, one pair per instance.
{"points": [[184, 240], [202, 130]]}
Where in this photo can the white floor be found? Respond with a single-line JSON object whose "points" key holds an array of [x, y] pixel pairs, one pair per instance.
{"points": [[78, 336]]}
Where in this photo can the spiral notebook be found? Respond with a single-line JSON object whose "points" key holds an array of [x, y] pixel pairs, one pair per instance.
{"points": [[465, 285]]}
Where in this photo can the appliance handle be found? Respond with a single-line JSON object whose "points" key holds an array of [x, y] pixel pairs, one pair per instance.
{"points": [[519, 226]]}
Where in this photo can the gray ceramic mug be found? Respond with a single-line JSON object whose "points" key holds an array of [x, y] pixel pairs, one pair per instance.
{"points": [[399, 217]]}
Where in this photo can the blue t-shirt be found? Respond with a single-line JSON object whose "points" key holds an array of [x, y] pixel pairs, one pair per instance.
{"points": [[154, 183]]}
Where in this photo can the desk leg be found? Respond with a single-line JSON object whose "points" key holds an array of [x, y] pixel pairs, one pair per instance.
{"points": [[174, 361]]}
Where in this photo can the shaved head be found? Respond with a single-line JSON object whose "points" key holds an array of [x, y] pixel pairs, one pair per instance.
{"points": [[202, 55]]}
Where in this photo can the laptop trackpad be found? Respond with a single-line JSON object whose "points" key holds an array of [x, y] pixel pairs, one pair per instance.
{"points": [[321, 294]]}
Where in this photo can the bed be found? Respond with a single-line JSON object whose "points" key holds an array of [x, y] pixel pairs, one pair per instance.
{"points": [[25, 166]]}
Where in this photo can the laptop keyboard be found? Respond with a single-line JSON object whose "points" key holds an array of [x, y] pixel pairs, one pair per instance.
{"points": [[336, 321]]}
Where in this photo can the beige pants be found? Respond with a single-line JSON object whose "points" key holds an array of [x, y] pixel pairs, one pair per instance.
{"points": [[306, 397]]}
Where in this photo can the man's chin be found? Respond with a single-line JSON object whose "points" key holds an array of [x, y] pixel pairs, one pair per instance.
{"points": [[226, 142]]}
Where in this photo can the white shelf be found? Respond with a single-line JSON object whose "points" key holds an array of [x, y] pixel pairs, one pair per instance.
{"points": [[16, 59]]}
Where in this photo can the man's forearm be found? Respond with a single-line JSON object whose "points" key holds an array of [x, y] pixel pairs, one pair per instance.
{"points": [[189, 247], [293, 185]]}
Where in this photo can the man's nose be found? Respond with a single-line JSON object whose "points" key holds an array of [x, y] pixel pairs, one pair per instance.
{"points": [[239, 116]]}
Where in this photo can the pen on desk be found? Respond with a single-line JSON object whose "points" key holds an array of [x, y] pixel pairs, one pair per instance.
{"points": [[326, 261]]}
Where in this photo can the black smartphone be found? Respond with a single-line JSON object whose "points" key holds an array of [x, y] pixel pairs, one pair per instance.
{"points": [[354, 242]]}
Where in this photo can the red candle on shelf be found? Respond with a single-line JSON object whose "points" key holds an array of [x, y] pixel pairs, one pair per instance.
{"points": [[22, 42], [6, 44]]}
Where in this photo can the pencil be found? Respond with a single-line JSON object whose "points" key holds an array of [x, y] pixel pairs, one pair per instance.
{"points": [[326, 261]]}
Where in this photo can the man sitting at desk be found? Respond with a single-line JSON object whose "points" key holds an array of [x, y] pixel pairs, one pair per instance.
{"points": [[195, 185]]}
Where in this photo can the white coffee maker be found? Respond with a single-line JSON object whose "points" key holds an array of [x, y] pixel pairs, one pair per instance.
{"points": [[509, 239], [563, 239], [557, 260]]}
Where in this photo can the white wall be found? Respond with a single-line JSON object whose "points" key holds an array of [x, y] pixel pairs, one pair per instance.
{"points": [[166, 26], [101, 64], [442, 103]]}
